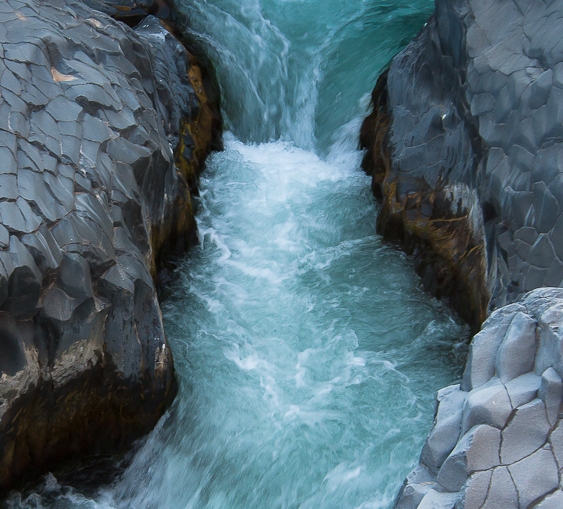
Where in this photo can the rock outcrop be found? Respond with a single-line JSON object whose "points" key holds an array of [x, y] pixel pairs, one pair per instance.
{"points": [[497, 439], [102, 133], [465, 146]]}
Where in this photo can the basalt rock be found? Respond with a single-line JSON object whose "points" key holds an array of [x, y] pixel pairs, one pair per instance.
{"points": [[503, 439], [464, 144], [103, 131], [132, 11]]}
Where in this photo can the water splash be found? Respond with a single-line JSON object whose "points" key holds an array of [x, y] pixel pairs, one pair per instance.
{"points": [[297, 70], [306, 351]]}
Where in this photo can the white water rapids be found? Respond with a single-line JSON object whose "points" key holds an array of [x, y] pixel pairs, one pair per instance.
{"points": [[307, 353]]}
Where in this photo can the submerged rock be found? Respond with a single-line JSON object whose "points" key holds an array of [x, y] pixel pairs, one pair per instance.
{"points": [[102, 133]]}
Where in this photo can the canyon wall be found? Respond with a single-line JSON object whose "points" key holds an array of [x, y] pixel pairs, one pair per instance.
{"points": [[103, 131], [465, 148], [469, 169]]}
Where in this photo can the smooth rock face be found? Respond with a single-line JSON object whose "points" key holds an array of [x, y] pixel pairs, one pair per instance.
{"points": [[90, 198], [464, 145], [511, 461]]}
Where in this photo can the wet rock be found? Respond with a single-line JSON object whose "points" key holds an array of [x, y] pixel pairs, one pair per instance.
{"points": [[92, 197], [464, 147], [510, 451]]}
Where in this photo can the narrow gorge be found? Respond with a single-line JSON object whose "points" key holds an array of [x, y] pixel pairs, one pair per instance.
{"points": [[293, 356]]}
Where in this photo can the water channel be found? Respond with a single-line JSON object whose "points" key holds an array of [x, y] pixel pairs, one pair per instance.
{"points": [[307, 353]]}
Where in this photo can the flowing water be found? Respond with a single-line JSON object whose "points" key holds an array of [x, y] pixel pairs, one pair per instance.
{"points": [[307, 354]]}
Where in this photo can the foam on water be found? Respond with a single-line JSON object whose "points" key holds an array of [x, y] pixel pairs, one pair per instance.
{"points": [[307, 353], [308, 356]]}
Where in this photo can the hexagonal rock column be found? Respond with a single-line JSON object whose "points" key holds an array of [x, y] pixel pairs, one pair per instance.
{"points": [[497, 439], [465, 143], [90, 196]]}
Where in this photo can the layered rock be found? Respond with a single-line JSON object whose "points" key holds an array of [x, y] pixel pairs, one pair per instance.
{"points": [[497, 439], [464, 144], [102, 132]]}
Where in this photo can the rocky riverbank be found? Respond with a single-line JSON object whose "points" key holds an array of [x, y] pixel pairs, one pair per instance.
{"points": [[103, 130], [464, 146]]}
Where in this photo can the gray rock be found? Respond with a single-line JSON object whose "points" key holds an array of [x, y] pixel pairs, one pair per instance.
{"points": [[523, 389], [91, 201], [551, 392], [480, 367], [507, 437], [535, 476], [476, 489], [447, 426], [526, 432], [502, 492], [412, 495], [556, 441], [488, 404], [553, 501], [517, 352], [418, 483], [477, 450], [435, 500], [475, 102]]}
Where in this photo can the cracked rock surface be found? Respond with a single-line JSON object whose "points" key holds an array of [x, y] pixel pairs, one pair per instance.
{"points": [[465, 147], [497, 439], [102, 130]]}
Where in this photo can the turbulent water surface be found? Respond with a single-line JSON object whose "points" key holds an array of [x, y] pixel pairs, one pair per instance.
{"points": [[308, 355]]}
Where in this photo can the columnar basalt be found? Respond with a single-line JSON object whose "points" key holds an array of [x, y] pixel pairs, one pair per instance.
{"points": [[497, 439], [102, 133], [468, 169], [464, 145]]}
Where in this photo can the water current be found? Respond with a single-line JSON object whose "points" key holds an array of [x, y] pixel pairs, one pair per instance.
{"points": [[307, 354]]}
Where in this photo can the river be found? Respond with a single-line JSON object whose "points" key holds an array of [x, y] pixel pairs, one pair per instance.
{"points": [[307, 353]]}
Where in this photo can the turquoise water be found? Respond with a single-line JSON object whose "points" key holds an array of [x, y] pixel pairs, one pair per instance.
{"points": [[307, 354]]}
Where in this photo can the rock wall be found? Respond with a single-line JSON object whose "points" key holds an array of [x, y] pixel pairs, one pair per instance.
{"points": [[102, 133], [465, 149], [497, 439], [469, 170]]}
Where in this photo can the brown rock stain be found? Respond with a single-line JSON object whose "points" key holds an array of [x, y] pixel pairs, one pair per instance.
{"points": [[449, 256], [199, 135]]}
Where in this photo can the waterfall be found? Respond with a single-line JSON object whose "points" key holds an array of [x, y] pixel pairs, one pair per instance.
{"points": [[307, 353]]}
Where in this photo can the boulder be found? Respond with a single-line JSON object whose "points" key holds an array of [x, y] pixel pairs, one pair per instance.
{"points": [[464, 146], [510, 448], [102, 133]]}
